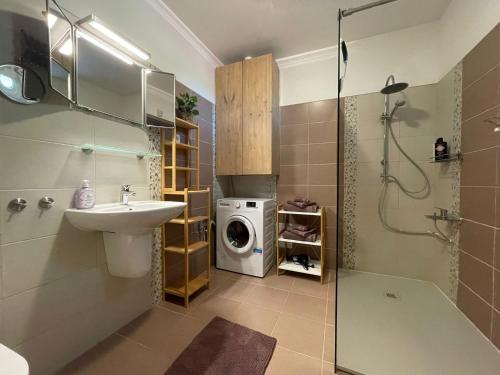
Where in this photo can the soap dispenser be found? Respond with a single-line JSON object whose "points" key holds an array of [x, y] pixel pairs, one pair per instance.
{"points": [[85, 196]]}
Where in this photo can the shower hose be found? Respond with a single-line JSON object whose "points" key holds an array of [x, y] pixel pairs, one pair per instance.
{"points": [[418, 194]]}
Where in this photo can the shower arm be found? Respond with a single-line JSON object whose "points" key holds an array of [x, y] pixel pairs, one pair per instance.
{"points": [[350, 11]]}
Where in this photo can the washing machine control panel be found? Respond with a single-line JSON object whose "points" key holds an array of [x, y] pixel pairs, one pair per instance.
{"points": [[239, 204], [252, 204]]}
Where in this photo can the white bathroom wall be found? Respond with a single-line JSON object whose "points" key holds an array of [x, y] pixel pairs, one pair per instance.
{"points": [[418, 55], [57, 298]]}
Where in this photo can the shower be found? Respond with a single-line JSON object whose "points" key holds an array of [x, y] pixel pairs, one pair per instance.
{"points": [[392, 87]]}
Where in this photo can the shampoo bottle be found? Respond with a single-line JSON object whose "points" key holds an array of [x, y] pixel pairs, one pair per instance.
{"points": [[85, 196]]}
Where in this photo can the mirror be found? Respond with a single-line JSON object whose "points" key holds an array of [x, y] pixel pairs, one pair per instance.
{"points": [[20, 85], [160, 99], [108, 81], [61, 50]]}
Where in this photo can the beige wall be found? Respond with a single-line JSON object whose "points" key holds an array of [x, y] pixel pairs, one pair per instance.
{"points": [[416, 126], [57, 297]]}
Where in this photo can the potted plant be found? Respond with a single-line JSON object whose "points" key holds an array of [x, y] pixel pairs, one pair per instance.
{"points": [[186, 106]]}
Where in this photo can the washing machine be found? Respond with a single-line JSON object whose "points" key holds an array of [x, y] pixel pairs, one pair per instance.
{"points": [[245, 229]]}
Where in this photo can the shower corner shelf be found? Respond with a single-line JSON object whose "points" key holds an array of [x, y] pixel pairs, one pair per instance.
{"points": [[451, 157], [89, 148], [281, 263]]}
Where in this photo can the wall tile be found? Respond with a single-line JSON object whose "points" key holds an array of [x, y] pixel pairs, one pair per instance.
{"points": [[294, 114], [497, 249], [293, 175], [323, 132], [322, 174], [206, 133], [495, 337], [289, 192], [45, 123], [477, 276], [323, 111], [30, 313], [105, 133], [323, 195], [477, 240], [46, 259], [49, 352], [120, 170], [481, 95], [475, 309], [479, 134], [478, 204], [294, 135], [33, 221], [294, 155], [479, 168], [323, 153], [483, 57], [496, 289], [42, 165]]}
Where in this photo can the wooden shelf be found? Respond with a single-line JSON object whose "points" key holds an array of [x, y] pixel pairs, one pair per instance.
{"points": [[315, 243], [179, 248], [183, 146], [179, 289], [182, 169], [191, 220], [292, 267], [299, 213], [180, 123]]}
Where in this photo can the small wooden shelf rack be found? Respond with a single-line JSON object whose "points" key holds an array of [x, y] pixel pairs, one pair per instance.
{"points": [[182, 189], [282, 265]]}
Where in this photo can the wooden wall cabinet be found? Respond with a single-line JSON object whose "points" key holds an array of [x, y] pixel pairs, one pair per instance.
{"points": [[247, 115]]}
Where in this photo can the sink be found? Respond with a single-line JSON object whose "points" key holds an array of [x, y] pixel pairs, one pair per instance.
{"points": [[12, 363], [135, 218], [127, 231]]}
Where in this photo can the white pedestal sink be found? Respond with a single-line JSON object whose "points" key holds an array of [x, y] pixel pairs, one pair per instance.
{"points": [[12, 363], [127, 231]]}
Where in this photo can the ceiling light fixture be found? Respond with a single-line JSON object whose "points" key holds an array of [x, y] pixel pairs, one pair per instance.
{"points": [[248, 58], [104, 47]]}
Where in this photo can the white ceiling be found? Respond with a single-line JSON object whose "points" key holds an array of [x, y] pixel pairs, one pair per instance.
{"points": [[233, 29]]}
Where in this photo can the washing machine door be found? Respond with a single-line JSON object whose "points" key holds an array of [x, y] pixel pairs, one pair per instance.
{"points": [[238, 234]]}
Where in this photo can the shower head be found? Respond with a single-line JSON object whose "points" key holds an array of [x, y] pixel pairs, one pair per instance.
{"points": [[394, 88], [399, 103]]}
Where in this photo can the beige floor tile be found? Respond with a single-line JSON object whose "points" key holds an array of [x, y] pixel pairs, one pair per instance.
{"points": [[310, 287], [300, 334], [213, 306], [286, 362], [306, 306], [254, 317], [117, 355], [272, 280], [329, 345], [165, 332], [330, 312], [268, 298], [234, 289]]}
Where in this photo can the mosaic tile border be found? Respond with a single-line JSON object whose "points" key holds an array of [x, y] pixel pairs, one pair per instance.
{"points": [[154, 177], [350, 176], [455, 184]]}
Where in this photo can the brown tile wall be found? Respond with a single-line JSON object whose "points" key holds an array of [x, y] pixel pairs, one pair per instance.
{"points": [[479, 265], [198, 204], [309, 160]]}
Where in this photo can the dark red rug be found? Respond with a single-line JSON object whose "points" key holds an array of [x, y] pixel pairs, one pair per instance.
{"points": [[225, 348]]}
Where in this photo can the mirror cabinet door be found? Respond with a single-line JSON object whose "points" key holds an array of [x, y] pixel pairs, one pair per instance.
{"points": [[107, 81], [160, 99], [61, 51]]}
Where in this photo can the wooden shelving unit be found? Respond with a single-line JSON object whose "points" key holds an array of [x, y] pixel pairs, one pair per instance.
{"points": [[282, 218], [182, 189]]}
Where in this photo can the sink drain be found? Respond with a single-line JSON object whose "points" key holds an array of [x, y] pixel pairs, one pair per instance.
{"points": [[391, 295]]}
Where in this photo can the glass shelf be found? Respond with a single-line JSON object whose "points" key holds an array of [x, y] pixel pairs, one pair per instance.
{"points": [[89, 148], [449, 158]]}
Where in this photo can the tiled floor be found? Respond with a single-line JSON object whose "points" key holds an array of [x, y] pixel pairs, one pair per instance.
{"points": [[297, 311]]}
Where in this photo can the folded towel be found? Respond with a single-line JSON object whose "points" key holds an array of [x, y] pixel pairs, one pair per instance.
{"points": [[301, 199], [301, 204], [292, 236], [291, 207], [298, 226], [302, 233]]}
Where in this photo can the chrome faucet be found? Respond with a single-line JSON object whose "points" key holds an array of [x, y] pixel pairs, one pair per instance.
{"points": [[125, 193]]}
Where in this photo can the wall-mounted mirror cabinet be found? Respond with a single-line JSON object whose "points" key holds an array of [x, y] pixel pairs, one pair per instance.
{"points": [[159, 99], [61, 50]]}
